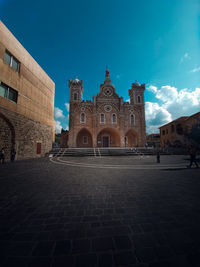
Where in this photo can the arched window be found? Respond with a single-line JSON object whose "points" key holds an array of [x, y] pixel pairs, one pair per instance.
{"points": [[132, 119], [114, 118], [102, 118], [139, 99], [82, 119], [75, 96]]}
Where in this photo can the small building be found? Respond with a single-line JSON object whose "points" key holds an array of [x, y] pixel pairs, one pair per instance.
{"points": [[175, 132], [107, 121], [26, 101], [153, 140], [64, 138]]}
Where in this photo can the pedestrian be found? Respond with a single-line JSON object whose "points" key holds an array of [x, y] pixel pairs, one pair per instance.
{"points": [[12, 154], [193, 152], [2, 156], [158, 157]]}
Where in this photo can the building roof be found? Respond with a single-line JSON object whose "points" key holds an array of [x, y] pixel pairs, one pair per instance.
{"points": [[180, 119]]}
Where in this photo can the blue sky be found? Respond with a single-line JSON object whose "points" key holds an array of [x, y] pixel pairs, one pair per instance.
{"points": [[152, 41]]}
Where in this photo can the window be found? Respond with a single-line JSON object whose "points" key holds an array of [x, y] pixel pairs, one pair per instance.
{"points": [[85, 140], [102, 118], [132, 119], [8, 92], [172, 128], [139, 99], [163, 132], [166, 131], [75, 96], [11, 61], [82, 117], [114, 118]]}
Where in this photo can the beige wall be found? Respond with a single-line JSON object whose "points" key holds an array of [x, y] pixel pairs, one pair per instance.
{"points": [[35, 89]]}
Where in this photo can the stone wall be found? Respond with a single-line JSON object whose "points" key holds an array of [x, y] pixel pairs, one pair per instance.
{"points": [[24, 134]]}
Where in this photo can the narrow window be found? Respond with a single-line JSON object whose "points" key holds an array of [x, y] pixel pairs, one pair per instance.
{"points": [[82, 117], [114, 118], [85, 140], [8, 92], [163, 132], [172, 128], [102, 118], [75, 96], [139, 99], [11, 61], [132, 121]]}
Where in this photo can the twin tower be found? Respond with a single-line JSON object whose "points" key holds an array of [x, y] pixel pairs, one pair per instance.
{"points": [[107, 121]]}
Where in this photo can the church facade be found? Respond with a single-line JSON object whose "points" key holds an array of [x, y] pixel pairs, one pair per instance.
{"points": [[107, 121]]}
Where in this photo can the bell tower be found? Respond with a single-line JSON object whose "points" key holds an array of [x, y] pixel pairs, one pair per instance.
{"points": [[136, 93], [76, 90]]}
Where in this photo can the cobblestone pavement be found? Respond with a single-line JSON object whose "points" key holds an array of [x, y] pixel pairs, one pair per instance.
{"points": [[61, 215]]}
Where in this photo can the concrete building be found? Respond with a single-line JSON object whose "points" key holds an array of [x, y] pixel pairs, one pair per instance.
{"points": [[107, 121], [26, 101], [175, 133], [153, 140]]}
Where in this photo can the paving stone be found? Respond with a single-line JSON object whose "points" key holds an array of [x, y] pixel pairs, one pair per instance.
{"points": [[89, 260], [124, 258], [102, 244], [16, 261], [122, 242], [63, 261], [81, 246], [62, 247], [105, 260], [40, 262], [146, 254], [44, 248]]}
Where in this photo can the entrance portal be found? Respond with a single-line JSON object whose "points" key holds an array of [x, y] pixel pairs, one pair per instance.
{"points": [[106, 142], [108, 137]]}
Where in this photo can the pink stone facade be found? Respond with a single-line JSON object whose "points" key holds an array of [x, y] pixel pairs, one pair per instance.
{"points": [[107, 121]]}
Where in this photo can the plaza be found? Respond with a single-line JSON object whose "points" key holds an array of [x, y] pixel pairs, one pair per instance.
{"points": [[100, 211]]}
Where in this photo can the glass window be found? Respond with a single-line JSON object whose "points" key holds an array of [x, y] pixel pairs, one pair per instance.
{"points": [[12, 95], [75, 96], [82, 117], [102, 118], [132, 119], [15, 64], [11, 61], [3, 90], [114, 118], [85, 141], [139, 99], [8, 92]]}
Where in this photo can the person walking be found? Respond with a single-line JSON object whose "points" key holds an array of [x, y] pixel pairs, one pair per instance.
{"points": [[193, 153], [12, 154], [2, 156]]}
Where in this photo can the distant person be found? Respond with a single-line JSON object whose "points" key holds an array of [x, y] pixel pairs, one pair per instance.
{"points": [[158, 157], [12, 154], [192, 152], [2, 156]]}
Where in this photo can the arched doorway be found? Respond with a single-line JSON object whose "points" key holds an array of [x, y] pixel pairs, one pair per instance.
{"points": [[131, 139], [7, 135], [108, 137], [84, 139]]}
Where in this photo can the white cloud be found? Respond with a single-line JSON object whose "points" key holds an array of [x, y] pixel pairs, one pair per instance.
{"points": [[195, 70], [173, 104], [185, 56], [67, 106], [155, 116], [58, 113], [58, 126], [152, 88]]}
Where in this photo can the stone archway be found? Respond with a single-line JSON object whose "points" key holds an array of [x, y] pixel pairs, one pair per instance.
{"points": [[7, 135], [108, 137], [131, 138], [84, 138]]}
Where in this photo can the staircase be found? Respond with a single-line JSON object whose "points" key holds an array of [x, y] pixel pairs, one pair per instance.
{"points": [[100, 152]]}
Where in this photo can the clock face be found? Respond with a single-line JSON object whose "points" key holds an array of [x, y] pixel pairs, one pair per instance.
{"points": [[107, 91]]}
